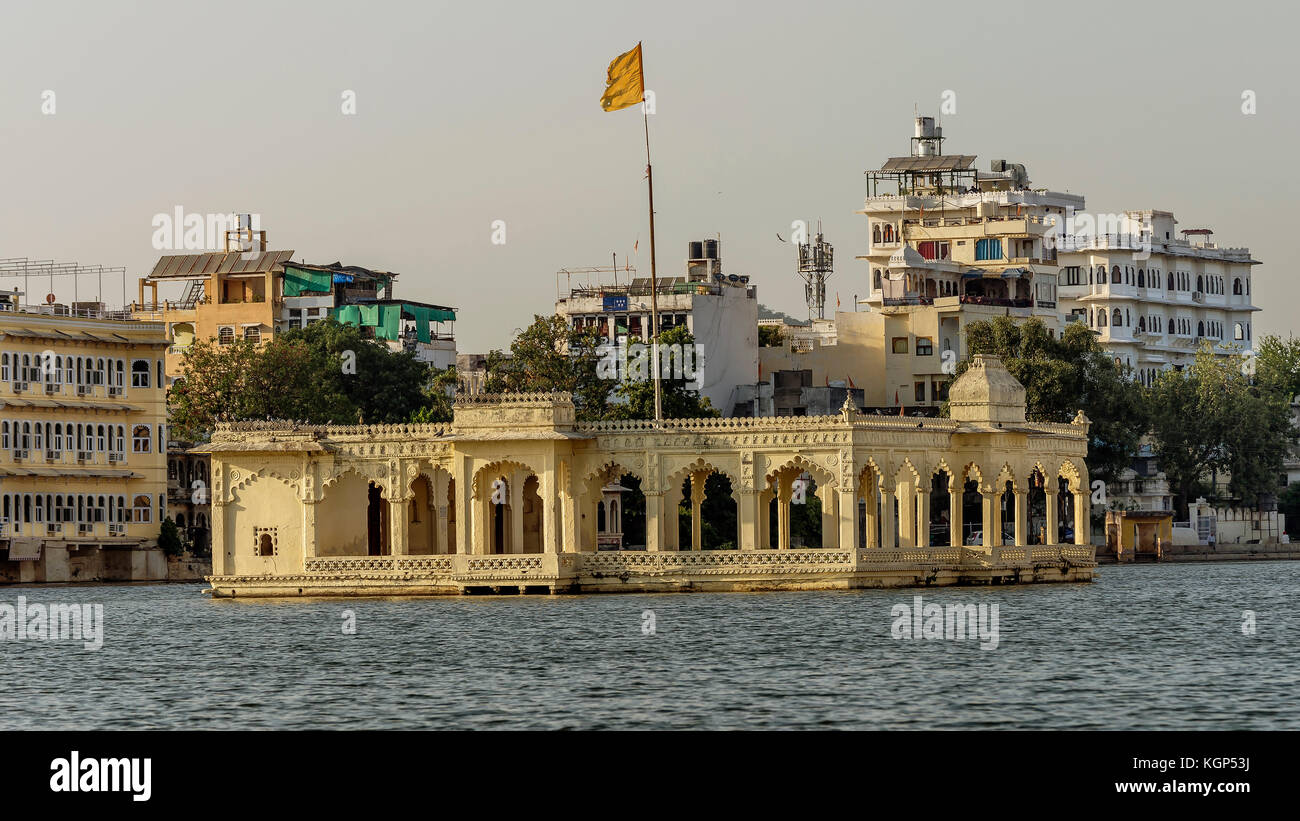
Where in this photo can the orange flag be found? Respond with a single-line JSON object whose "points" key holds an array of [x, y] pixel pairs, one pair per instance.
{"points": [[625, 84]]}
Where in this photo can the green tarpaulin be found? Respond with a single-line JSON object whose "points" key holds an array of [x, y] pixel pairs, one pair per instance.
{"points": [[387, 319], [390, 322], [348, 315], [297, 280]]}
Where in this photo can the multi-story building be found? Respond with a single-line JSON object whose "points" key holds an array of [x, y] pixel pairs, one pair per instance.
{"points": [[949, 245], [82, 443], [720, 310], [248, 292], [1152, 297]]}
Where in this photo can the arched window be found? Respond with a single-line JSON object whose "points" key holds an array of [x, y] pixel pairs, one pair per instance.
{"points": [[1200, 283], [1142, 279], [1101, 318], [141, 510], [877, 280], [1115, 275], [875, 233], [1142, 324], [1170, 278], [1200, 329], [140, 439], [140, 373], [1236, 287], [1117, 318]]}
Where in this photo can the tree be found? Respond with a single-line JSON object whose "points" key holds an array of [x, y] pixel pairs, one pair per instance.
{"points": [[548, 355], [1063, 375], [1277, 366], [439, 396], [169, 538], [1209, 418], [770, 336], [679, 401], [326, 372]]}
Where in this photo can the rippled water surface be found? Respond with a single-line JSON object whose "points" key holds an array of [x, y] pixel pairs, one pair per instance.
{"points": [[1146, 647]]}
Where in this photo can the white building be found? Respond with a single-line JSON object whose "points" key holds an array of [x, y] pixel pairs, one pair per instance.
{"points": [[720, 310], [1153, 296]]}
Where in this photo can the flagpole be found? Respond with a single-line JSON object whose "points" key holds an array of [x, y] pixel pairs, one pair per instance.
{"points": [[654, 279]]}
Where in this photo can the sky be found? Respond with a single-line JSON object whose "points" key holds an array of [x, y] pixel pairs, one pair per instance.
{"points": [[765, 113]]}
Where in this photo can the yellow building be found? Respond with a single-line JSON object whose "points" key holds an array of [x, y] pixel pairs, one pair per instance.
{"points": [[82, 446], [517, 494]]}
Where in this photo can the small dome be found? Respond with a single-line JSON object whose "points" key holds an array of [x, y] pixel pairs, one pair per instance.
{"points": [[987, 393]]}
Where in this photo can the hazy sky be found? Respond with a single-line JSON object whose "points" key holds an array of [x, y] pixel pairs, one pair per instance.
{"points": [[468, 113]]}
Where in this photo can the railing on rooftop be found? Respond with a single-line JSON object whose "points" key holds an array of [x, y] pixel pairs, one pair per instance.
{"points": [[67, 311]]}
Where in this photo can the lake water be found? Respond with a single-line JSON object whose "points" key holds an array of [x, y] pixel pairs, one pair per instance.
{"points": [[1145, 647]]}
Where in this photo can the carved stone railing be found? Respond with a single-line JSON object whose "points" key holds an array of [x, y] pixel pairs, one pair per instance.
{"points": [[718, 562], [522, 398], [398, 564]]}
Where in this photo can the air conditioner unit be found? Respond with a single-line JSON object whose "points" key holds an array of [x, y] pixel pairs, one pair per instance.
{"points": [[85, 456], [20, 454], [54, 528], [51, 455], [85, 529], [51, 387], [19, 387], [83, 390], [114, 458], [117, 529], [114, 390]]}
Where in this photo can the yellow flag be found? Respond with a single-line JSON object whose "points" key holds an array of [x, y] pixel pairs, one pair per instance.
{"points": [[625, 86]]}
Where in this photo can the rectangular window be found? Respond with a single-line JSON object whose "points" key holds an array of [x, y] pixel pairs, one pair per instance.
{"points": [[934, 249], [140, 373], [988, 249], [924, 346], [900, 344], [920, 391]]}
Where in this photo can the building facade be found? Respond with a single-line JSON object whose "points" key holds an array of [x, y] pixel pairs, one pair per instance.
{"points": [[720, 310], [1153, 297], [82, 446]]}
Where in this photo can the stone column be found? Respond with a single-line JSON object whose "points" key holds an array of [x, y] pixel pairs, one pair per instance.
{"points": [[847, 508], [785, 488], [906, 514], [997, 517], [697, 500], [989, 501], [1052, 535], [308, 529], [672, 519], [747, 519], [1022, 516], [654, 520], [954, 514], [399, 526], [873, 515], [1081, 514], [222, 558], [830, 516], [922, 518], [467, 519], [765, 519], [888, 541]]}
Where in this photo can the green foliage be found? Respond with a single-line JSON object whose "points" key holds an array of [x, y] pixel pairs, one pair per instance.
{"points": [[300, 375], [1063, 375], [1209, 417], [1277, 366], [549, 355], [169, 538], [770, 336]]}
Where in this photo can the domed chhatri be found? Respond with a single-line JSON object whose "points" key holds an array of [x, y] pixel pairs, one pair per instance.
{"points": [[987, 394]]}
